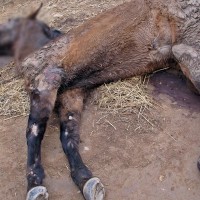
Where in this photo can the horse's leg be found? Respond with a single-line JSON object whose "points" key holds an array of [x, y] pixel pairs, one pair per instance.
{"points": [[70, 108], [43, 96], [189, 60]]}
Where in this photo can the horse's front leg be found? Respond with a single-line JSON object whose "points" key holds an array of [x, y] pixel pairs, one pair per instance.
{"points": [[42, 96], [71, 105], [189, 60]]}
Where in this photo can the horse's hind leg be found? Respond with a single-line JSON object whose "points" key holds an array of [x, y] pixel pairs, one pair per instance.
{"points": [[43, 94], [70, 107], [189, 60]]}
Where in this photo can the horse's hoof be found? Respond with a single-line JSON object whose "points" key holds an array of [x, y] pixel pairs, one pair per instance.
{"points": [[198, 163], [94, 189], [37, 193]]}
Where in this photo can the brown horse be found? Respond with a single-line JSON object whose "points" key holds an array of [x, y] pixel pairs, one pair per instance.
{"points": [[134, 38]]}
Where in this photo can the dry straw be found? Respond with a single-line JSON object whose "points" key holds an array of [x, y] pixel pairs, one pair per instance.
{"points": [[124, 96], [13, 98]]}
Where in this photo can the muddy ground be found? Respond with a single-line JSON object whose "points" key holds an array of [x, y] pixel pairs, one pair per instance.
{"points": [[135, 159]]}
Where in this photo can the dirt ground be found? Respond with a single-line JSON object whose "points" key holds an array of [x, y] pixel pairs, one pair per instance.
{"points": [[134, 158]]}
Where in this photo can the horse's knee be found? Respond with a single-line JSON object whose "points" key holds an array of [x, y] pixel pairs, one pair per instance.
{"points": [[71, 105], [182, 49], [189, 60]]}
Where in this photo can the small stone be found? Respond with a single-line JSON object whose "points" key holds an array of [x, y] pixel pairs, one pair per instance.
{"points": [[58, 15], [86, 149], [161, 178]]}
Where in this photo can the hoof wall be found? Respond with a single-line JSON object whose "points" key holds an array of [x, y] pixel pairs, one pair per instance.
{"points": [[37, 193], [94, 189]]}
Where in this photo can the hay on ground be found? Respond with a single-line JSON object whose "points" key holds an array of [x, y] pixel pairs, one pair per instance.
{"points": [[123, 97], [13, 98], [126, 96]]}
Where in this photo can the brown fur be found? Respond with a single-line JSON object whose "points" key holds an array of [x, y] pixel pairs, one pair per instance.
{"points": [[126, 41]]}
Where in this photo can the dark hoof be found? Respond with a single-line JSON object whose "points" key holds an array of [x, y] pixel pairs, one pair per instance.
{"points": [[37, 193], [198, 163], [94, 189]]}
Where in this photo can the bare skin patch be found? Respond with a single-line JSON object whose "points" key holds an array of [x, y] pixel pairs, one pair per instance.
{"points": [[66, 133], [70, 117], [34, 130], [42, 84], [70, 144]]}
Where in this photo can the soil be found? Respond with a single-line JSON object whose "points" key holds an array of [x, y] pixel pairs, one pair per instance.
{"points": [[135, 158]]}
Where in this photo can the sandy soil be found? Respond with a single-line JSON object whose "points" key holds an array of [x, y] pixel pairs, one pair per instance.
{"points": [[133, 158]]}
